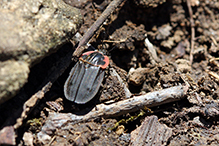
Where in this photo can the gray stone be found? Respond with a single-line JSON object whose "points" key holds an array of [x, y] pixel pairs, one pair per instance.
{"points": [[29, 31]]}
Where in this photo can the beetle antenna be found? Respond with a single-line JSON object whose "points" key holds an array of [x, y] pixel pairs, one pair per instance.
{"points": [[112, 48], [91, 48]]}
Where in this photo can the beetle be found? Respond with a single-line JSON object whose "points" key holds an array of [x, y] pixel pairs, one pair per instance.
{"points": [[86, 76]]}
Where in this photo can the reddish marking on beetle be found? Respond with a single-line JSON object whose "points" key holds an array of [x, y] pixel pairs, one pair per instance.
{"points": [[106, 59], [87, 53]]}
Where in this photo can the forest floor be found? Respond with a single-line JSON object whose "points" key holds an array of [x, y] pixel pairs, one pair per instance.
{"points": [[187, 54]]}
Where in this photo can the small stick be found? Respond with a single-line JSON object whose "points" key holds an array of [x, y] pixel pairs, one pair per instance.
{"points": [[152, 51], [110, 8], [58, 120], [215, 75], [111, 41], [192, 30], [31, 103], [139, 102]]}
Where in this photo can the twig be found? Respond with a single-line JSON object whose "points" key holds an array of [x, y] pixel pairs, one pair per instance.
{"points": [[213, 60], [91, 31], [31, 103], [58, 120], [192, 30], [152, 51], [214, 41], [111, 41], [215, 75]]}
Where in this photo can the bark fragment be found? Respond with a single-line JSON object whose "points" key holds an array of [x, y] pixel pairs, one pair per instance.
{"points": [[151, 132]]}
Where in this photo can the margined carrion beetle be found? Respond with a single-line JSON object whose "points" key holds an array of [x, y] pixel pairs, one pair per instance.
{"points": [[86, 77]]}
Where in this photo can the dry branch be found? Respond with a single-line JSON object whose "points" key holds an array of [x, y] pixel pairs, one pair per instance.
{"points": [[91, 31], [138, 102], [192, 30], [31, 103], [58, 120]]}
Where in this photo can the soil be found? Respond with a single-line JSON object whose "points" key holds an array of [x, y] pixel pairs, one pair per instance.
{"points": [[166, 24]]}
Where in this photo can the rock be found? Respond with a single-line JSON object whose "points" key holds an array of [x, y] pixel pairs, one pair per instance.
{"points": [[13, 75], [44, 138], [7, 136], [138, 76], [183, 66], [179, 50], [164, 32], [199, 53], [168, 43], [31, 30], [28, 139]]}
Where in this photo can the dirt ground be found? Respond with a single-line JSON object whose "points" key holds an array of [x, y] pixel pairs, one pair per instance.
{"points": [[166, 24]]}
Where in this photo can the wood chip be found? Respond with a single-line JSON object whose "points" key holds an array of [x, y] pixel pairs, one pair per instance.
{"points": [[151, 132]]}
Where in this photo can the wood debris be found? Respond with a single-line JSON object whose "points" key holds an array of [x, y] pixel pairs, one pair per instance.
{"points": [[151, 132]]}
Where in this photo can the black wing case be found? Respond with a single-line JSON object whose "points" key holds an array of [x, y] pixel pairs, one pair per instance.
{"points": [[73, 82], [83, 82]]}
